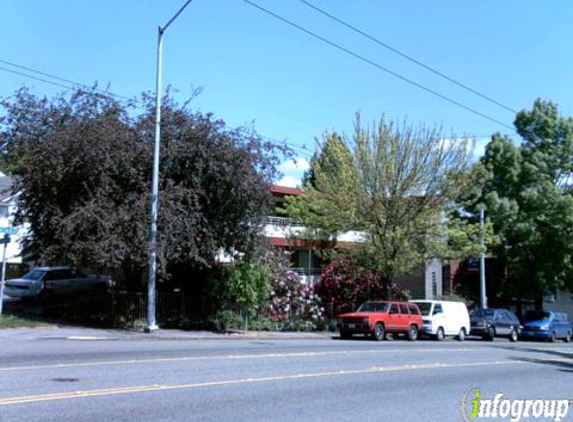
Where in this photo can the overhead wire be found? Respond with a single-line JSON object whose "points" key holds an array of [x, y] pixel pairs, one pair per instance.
{"points": [[298, 148], [377, 65], [59, 78], [406, 56]]}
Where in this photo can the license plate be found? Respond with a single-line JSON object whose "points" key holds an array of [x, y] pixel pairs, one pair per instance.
{"points": [[351, 325]]}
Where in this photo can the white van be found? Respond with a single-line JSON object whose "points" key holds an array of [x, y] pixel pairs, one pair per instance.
{"points": [[443, 318]]}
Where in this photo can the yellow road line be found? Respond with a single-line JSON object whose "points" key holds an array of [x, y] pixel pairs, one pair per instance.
{"points": [[169, 387], [233, 357]]}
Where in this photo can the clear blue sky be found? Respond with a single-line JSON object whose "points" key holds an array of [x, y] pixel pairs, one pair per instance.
{"points": [[253, 67]]}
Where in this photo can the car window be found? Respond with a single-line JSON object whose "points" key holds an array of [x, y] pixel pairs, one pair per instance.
{"points": [[34, 275], [437, 309], [67, 273], [373, 307], [414, 309], [53, 275], [404, 309], [483, 313], [499, 316], [425, 307], [393, 309]]}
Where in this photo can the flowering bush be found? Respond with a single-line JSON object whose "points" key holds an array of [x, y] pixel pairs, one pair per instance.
{"points": [[345, 284], [295, 304]]}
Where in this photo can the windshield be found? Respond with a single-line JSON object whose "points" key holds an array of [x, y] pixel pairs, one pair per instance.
{"points": [[481, 313], [425, 307], [34, 275], [373, 307], [536, 316]]}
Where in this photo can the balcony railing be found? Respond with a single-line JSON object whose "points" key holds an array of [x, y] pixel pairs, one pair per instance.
{"points": [[281, 221]]}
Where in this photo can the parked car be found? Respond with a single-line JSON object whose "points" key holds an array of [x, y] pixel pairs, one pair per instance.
{"points": [[46, 282], [490, 323], [442, 318], [546, 325], [381, 317]]}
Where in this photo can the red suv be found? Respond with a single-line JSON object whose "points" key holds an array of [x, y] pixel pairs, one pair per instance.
{"points": [[378, 318]]}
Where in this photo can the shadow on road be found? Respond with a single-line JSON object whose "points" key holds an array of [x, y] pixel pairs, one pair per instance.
{"points": [[555, 358]]}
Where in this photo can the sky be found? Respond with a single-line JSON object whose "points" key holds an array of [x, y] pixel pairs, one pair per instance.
{"points": [[254, 69]]}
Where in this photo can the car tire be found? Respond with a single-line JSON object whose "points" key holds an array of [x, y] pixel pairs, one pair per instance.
{"points": [[552, 337], [412, 334], [440, 334], [513, 335], [567, 338], [46, 296], [462, 334], [490, 334], [345, 335], [379, 332]]}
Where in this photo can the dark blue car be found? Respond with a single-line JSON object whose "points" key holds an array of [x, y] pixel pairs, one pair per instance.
{"points": [[546, 325]]}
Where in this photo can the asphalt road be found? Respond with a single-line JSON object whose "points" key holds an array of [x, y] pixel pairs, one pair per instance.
{"points": [[121, 378]]}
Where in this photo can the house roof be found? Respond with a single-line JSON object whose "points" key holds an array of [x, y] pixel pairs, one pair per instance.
{"points": [[283, 190]]}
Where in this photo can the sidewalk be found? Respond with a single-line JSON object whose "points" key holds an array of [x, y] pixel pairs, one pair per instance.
{"points": [[94, 334]]}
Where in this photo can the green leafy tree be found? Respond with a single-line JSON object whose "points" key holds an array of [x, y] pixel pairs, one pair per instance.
{"points": [[527, 192], [83, 166], [391, 183], [249, 286]]}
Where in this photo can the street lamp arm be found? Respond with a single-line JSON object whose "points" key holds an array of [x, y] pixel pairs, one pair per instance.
{"points": [[164, 27]]}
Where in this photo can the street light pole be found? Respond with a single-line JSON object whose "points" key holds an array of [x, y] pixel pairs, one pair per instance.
{"points": [[483, 297], [151, 321]]}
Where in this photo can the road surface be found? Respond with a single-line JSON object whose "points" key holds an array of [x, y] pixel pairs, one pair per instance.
{"points": [[56, 378]]}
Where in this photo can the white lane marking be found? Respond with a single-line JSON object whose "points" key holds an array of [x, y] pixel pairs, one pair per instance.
{"points": [[232, 357], [156, 387], [87, 338]]}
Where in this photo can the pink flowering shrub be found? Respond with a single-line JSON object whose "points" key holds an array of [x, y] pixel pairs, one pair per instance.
{"points": [[295, 304]]}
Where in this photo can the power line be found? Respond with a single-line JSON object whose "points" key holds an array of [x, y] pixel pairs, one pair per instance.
{"points": [[376, 65], [35, 78], [58, 78], [407, 57], [299, 148]]}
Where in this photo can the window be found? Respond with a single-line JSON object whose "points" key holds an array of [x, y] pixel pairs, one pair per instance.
{"points": [[393, 309], [438, 309], [434, 284], [414, 309], [404, 309]]}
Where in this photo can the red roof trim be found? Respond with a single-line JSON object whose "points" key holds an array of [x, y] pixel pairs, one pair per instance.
{"points": [[285, 190]]}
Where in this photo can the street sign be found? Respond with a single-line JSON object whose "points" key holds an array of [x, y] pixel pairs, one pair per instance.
{"points": [[8, 230], [5, 240]]}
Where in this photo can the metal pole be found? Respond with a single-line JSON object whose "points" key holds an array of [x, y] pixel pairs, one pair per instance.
{"points": [[3, 276], [483, 297], [151, 322]]}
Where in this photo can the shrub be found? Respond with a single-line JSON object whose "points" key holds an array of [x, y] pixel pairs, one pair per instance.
{"points": [[346, 283], [295, 304]]}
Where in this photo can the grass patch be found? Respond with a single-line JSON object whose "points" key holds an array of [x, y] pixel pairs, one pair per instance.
{"points": [[11, 321]]}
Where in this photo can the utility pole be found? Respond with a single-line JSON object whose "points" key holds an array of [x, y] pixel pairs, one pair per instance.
{"points": [[483, 297], [5, 241], [151, 290]]}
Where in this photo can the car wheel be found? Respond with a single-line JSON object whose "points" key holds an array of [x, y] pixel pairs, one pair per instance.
{"points": [[462, 334], [552, 337], [513, 335], [46, 296], [567, 338], [379, 332], [490, 334], [440, 334], [345, 335], [412, 333]]}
